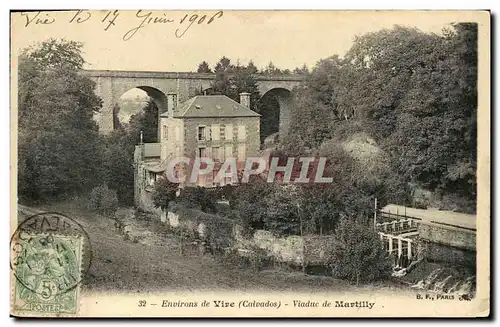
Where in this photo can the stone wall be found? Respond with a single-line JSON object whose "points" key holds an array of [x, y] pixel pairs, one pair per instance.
{"points": [[457, 237], [296, 250], [439, 253]]}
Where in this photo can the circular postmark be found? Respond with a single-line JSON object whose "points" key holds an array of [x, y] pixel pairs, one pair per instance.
{"points": [[50, 254]]}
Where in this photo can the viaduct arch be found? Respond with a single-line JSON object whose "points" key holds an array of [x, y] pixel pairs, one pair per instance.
{"points": [[111, 85]]}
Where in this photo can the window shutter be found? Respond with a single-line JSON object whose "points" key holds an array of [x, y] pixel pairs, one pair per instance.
{"points": [[215, 132], [229, 132], [242, 132]]}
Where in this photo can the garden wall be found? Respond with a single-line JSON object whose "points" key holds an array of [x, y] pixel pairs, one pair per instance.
{"points": [[228, 234]]}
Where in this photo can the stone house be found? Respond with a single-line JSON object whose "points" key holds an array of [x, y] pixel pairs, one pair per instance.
{"points": [[212, 126]]}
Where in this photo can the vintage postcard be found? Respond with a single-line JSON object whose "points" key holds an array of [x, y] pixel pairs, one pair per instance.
{"points": [[250, 163]]}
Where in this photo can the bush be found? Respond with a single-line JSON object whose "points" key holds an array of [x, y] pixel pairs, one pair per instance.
{"points": [[103, 199], [357, 254]]}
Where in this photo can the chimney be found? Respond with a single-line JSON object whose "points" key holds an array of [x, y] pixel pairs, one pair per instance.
{"points": [[171, 104], [245, 99]]}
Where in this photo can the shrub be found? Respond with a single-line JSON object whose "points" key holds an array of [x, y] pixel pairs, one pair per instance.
{"points": [[357, 254], [103, 199], [164, 193]]}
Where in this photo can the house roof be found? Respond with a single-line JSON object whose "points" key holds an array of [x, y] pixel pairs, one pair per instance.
{"points": [[212, 106]]}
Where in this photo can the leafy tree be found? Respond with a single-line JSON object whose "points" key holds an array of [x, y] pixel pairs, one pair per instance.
{"points": [[198, 197], [304, 70], [54, 53], [248, 201], [58, 141], [420, 101], [231, 80], [164, 193], [203, 67], [415, 93], [118, 165], [116, 120], [103, 200], [147, 122], [269, 107], [357, 254]]}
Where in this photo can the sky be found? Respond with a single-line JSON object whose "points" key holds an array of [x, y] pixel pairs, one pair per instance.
{"points": [[287, 38]]}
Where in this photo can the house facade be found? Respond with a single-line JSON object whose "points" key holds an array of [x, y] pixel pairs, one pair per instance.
{"points": [[210, 126]]}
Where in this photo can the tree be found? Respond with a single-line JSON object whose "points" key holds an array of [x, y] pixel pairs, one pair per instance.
{"points": [[357, 254], [199, 198], [147, 122], [304, 70], [58, 142], [116, 119], [420, 102], [231, 80], [203, 67], [164, 193], [269, 108], [103, 200], [118, 163], [415, 93]]}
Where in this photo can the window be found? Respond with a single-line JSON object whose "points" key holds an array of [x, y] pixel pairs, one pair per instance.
{"points": [[152, 178], [216, 153], [215, 132], [242, 132], [165, 132], [242, 152], [201, 133], [202, 152], [229, 132], [228, 151]]}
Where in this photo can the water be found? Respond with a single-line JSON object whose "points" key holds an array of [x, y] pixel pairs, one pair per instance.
{"points": [[448, 281]]}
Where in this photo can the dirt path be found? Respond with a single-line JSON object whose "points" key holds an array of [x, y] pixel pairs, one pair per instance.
{"points": [[121, 265]]}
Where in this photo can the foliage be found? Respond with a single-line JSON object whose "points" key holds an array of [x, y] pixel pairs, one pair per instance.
{"points": [[164, 193], [118, 150], [147, 122], [233, 79], [118, 164], [357, 254], [54, 53], [268, 106], [303, 70], [203, 67], [58, 140], [415, 93], [219, 230], [103, 199], [198, 197]]}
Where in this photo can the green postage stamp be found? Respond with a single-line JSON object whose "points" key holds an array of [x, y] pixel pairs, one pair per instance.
{"points": [[47, 270]]}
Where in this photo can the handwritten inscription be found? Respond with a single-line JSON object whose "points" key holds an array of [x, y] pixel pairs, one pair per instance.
{"points": [[140, 21], [37, 19]]}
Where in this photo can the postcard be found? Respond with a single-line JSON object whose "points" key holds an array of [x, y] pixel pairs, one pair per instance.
{"points": [[235, 163]]}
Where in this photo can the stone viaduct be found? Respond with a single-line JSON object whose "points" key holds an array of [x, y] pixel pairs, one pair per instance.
{"points": [[111, 85]]}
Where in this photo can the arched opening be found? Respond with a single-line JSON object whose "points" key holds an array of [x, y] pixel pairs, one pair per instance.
{"points": [[274, 107], [140, 108]]}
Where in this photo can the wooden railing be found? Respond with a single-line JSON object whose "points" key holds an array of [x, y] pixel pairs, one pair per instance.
{"points": [[398, 226]]}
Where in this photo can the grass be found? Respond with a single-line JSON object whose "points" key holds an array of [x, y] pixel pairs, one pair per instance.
{"points": [[121, 265]]}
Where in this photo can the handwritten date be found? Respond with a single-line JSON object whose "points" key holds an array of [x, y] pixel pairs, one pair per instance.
{"points": [[141, 20]]}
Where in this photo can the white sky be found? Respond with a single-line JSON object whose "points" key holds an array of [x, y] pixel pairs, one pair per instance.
{"points": [[289, 39]]}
